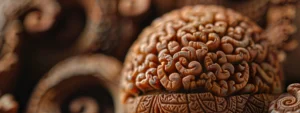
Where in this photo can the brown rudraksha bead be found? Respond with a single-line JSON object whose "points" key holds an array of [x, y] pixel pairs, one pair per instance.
{"points": [[202, 49]]}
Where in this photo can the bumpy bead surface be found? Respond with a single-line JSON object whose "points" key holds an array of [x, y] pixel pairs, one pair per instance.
{"points": [[202, 49]]}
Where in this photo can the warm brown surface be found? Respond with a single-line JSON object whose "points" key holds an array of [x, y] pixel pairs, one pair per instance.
{"points": [[60, 29], [133, 7], [87, 82], [276, 16], [254, 9], [88, 104], [8, 104], [198, 49], [289, 102], [9, 58], [292, 65], [198, 103], [185, 62], [52, 30]]}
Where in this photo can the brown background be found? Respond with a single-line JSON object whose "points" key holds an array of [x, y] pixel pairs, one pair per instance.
{"points": [[292, 64]]}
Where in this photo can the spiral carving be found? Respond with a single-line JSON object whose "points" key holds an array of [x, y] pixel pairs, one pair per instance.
{"points": [[202, 48], [82, 84], [289, 102], [74, 27], [91, 19]]}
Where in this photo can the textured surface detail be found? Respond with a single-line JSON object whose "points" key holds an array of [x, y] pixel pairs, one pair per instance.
{"points": [[202, 48], [289, 102], [199, 103]]}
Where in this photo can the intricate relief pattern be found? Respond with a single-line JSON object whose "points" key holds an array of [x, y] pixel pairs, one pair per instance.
{"points": [[202, 48], [287, 103], [199, 103], [276, 16]]}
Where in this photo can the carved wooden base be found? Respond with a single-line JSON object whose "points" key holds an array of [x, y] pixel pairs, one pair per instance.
{"points": [[198, 103]]}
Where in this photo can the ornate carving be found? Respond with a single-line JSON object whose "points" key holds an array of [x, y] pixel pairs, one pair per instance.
{"points": [[75, 27], [53, 30], [276, 16], [80, 84], [202, 48], [289, 102], [199, 103]]}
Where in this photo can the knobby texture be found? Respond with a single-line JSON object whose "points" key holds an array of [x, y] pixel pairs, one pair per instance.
{"points": [[275, 16], [202, 48], [82, 84]]}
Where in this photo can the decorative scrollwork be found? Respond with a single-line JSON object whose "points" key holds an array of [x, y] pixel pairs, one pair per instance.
{"points": [[289, 102], [199, 103], [82, 84]]}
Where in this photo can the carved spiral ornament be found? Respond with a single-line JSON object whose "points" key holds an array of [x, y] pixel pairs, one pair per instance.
{"points": [[289, 102], [81, 84], [202, 49]]}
